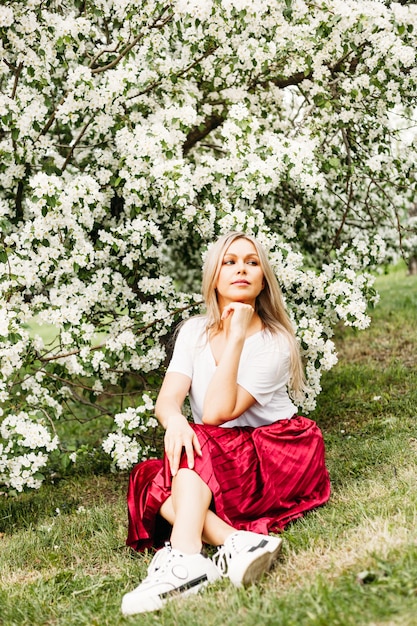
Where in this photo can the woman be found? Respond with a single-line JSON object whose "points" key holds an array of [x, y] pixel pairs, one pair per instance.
{"points": [[248, 464]]}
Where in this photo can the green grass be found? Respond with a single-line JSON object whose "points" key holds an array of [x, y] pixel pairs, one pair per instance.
{"points": [[351, 563]]}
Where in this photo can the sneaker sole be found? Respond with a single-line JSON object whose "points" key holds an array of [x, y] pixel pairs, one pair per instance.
{"points": [[158, 602], [261, 564]]}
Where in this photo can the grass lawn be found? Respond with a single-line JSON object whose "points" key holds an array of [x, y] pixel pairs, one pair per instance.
{"points": [[353, 562]]}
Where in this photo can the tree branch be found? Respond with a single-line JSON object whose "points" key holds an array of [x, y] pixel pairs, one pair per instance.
{"points": [[200, 132], [281, 82], [344, 217], [52, 117], [19, 200], [100, 409], [205, 54], [349, 190], [103, 345], [99, 54], [18, 71], [178, 75], [298, 77], [116, 61], [132, 44], [75, 144], [105, 67]]}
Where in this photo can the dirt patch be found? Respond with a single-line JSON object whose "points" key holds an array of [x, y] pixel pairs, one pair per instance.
{"points": [[380, 345], [26, 577], [379, 535]]}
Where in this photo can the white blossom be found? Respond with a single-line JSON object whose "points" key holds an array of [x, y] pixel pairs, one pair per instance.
{"points": [[131, 138]]}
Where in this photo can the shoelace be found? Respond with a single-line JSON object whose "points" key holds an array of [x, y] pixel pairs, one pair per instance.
{"points": [[224, 554], [221, 560], [160, 559]]}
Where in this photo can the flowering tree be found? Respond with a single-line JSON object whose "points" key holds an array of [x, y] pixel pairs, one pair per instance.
{"points": [[131, 135]]}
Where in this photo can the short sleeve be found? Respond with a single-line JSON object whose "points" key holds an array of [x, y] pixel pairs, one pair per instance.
{"points": [[265, 367], [182, 359]]}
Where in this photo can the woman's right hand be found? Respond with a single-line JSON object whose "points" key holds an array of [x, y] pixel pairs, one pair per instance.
{"points": [[240, 315], [178, 436]]}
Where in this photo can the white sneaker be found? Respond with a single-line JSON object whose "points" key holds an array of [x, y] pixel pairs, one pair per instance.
{"points": [[170, 574], [245, 556]]}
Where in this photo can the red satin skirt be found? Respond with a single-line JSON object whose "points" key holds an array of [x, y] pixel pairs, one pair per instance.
{"points": [[261, 479]]}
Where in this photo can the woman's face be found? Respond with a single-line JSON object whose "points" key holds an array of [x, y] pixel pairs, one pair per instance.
{"points": [[241, 278]]}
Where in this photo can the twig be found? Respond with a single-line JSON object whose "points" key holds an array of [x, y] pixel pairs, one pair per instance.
{"points": [[344, 216], [103, 345], [52, 116], [76, 142], [71, 383], [205, 54], [99, 54], [49, 420], [18, 71], [128, 47]]}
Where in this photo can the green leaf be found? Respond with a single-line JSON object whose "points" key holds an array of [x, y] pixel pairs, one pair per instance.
{"points": [[51, 201], [39, 476]]}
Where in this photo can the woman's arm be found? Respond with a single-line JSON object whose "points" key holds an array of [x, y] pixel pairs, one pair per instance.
{"points": [[226, 400], [178, 432]]}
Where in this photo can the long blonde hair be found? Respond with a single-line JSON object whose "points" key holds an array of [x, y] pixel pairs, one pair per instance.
{"points": [[269, 304]]}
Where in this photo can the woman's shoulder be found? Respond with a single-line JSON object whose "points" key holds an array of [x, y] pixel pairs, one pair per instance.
{"points": [[193, 325], [276, 340]]}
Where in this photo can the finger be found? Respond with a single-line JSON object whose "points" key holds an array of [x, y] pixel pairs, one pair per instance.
{"points": [[169, 450], [173, 463], [189, 451], [174, 458], [226, 312], [197, 446]]}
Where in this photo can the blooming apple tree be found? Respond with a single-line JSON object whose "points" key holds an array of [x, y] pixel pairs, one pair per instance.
{"points": [[132, 133]]}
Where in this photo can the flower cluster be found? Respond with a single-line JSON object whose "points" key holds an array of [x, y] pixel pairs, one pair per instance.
{"points": [[24, 446], [126, 445], [132, 135]]}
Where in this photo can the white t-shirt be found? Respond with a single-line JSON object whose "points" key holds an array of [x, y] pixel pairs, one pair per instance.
{"points": [[263, 371]]}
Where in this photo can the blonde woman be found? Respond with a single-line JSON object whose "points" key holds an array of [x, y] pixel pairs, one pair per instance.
{"points": [[247, 464]]}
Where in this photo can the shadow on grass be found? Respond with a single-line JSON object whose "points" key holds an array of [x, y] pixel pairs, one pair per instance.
{"points": [[28, 509]]}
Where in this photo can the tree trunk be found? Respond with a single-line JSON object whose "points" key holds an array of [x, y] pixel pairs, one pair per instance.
{"points": [[412, 265]]}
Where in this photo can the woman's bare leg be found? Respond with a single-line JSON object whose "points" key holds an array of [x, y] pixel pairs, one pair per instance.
{"points": [[187, 509]]}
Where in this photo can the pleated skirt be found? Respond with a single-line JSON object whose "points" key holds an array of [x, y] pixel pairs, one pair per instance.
{"points": [[261, 479]]}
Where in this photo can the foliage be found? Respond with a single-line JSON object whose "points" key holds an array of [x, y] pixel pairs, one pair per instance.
{"points": [[132, 134]]}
